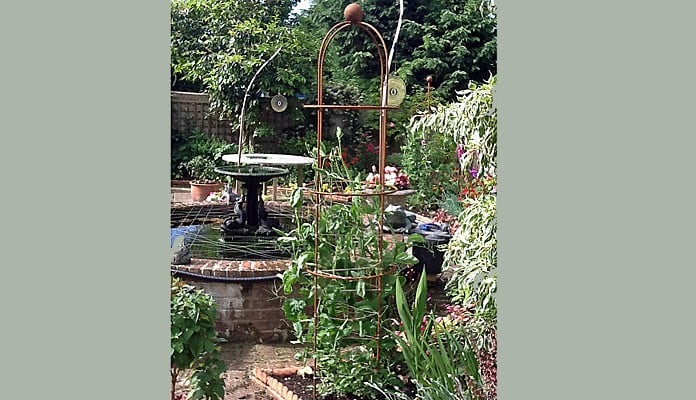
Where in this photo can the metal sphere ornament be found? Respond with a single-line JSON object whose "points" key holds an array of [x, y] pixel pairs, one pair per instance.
{"points": [[353, 13]]}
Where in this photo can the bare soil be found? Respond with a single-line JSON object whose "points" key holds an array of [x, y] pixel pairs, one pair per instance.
{"points": [[242, 358], [302, 386]]}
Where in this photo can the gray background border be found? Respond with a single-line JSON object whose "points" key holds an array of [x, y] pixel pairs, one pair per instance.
{"points": [[595, 199], [85, 167]]}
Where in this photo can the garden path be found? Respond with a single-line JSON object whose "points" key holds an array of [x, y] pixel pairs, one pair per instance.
{"points": [[241, 358]]}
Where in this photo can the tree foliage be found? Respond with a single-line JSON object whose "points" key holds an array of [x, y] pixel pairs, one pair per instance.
{"points": [[454, 41], [218, 45]]}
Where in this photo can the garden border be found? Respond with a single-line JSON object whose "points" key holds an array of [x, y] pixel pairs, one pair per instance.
{"points": [[265, 378]]}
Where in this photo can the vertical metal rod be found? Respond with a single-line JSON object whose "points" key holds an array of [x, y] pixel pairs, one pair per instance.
{"points": [[246, 95]]}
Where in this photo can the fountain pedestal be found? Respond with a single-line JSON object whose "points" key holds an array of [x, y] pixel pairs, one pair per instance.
{"points": [[278, 160], [252, 176]]}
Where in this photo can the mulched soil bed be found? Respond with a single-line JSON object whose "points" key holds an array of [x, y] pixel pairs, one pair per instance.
{"points": [[302, 387]]}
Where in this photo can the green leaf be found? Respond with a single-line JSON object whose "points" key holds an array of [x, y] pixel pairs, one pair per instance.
{"points": [[360, 289], [296, 198], [420, 302], [405, 259], [402, 307]]}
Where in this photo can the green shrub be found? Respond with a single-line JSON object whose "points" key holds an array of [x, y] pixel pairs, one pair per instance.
{"points": [[437, 354], [196, 144], [451, 145], [471, 256], [193, 343]]}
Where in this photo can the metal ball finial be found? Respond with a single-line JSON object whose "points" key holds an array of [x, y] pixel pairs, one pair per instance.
{"points": [[353, 13]]}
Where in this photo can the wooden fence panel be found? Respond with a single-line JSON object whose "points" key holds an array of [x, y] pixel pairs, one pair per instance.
{"points": [[191, 110]]}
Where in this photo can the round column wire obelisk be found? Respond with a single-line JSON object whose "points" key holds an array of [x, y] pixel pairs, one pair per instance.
{"points": [[353, 16]]}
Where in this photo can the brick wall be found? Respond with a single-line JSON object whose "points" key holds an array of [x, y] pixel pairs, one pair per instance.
{"points": [[248, 311]]}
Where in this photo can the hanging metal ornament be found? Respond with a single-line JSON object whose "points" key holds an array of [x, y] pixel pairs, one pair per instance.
{"points": [[279, 103], [396, 91]]}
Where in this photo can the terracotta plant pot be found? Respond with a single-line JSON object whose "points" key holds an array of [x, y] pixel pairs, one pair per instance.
{"points": [[201, 191]]}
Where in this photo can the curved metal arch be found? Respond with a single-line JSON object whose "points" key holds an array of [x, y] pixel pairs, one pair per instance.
{"points": [[381, 46]]}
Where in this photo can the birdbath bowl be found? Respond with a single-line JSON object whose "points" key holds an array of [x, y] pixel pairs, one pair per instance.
{"points": [[252, 176]]}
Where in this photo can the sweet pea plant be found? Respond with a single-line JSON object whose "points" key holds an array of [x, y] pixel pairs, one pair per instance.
{"points": [[337, 270]]}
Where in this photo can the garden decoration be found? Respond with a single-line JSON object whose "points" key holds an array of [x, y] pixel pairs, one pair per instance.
{"points": [[249, 218], [252, 176], [349, 248], [246, 95], [279, 103], [397, 91], [276, 160], [182, 254]]}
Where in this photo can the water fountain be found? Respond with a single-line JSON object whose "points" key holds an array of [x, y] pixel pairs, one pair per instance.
{"points": [[250, 215], [232, 253]]}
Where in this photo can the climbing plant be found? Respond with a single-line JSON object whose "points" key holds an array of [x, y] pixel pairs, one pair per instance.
{"points": [[350, 312]]}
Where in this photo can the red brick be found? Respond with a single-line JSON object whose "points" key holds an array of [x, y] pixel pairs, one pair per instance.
{"points": [[273, 383]]}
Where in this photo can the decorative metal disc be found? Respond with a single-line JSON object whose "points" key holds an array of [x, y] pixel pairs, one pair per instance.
{"points": [[396, 91], [279, 103]]}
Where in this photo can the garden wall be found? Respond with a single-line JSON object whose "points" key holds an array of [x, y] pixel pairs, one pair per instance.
{"points": [[248, 310]]}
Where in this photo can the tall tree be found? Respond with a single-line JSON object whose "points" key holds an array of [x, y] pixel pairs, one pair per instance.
{"points": [[219, 45], [455, 44], [454, 41]]}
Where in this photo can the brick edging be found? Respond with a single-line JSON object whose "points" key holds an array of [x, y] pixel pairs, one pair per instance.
{"points": [[234, 268], [274, 387]]}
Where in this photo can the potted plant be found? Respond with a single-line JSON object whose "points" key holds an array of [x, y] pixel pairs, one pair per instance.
{"points": [[195, 156], [204, 178]]}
